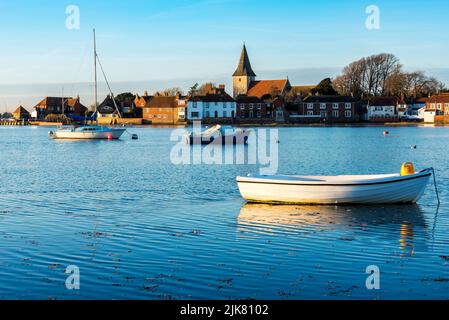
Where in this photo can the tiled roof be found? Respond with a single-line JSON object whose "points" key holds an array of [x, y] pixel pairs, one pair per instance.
{"points": [[264, 87], [441, 98], [57, 102], [223, 97], [328, 99], [51, 101], [383, 101], [162, 102], [248, 99], [244, 67], [21, 110]]}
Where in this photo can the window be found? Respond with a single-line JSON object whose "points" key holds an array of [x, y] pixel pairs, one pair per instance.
{"points": [[206, 105], [323, 114], [335, 114], [348, 106], [439, 106], [225, 114], [251, 106], [323, 106], [310, 113], [259, 106], [195, 114], [335, 106], [310, 106], [207, 114], [348, 114], [432, 105], [216, 114], [242, 107]]}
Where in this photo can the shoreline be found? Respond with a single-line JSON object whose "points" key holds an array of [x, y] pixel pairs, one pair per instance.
{"points": [[264, 125]]}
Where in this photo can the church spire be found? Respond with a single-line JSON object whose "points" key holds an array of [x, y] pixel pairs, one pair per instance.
{"points": [[244, 67]]}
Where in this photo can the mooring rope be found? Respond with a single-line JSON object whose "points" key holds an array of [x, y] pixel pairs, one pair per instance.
{"points": [[436, 186]]}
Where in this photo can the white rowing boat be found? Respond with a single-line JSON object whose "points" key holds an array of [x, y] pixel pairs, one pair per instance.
{"points": [[336, 190]]}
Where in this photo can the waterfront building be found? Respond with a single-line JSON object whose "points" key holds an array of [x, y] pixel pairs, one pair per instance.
{"points": [[107, 111], [58, 105], [253, 108], [383, 109], [414, 106], [214, 104], [438, 103], [327, 109], [245, 83], [165, 110], [141, 101], [21, 114], [437, 106]]}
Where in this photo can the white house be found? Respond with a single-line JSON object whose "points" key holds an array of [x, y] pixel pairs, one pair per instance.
{"points": [[383, 108], [429, 115], [215, 104]]}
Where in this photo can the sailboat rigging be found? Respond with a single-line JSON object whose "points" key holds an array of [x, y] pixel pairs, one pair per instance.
{"points": [[91, 132]]}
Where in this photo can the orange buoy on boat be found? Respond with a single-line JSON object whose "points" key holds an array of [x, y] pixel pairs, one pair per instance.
{"points": [[407, 169]]}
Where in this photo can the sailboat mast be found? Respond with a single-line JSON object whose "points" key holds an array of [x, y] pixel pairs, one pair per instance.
{"points": [[95, 82]]}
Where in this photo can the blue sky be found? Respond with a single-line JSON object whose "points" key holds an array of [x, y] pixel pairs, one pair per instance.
{"points": [[154, 39]]}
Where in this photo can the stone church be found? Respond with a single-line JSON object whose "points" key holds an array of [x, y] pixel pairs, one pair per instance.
{"points": [[245, 83]]}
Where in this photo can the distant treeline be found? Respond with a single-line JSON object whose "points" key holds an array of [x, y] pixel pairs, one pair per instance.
{"points": [[383, 75]]}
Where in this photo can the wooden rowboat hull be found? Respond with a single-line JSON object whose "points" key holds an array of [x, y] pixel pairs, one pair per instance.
{"points": [[340, 190]]}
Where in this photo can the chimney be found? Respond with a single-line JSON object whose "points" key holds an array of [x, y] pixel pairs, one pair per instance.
{"points": [[146, 93], [222, 86]]}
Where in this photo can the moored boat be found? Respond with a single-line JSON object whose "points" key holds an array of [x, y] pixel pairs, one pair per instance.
{"points": [[87, 132], [336, 190], [90, 132], [224, 135]]}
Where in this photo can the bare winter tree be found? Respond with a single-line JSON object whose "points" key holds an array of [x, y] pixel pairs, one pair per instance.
{"points": [[382, 74], [170, 92]]}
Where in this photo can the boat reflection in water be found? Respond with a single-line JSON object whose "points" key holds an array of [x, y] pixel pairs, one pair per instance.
{"points": [[402, 224]]}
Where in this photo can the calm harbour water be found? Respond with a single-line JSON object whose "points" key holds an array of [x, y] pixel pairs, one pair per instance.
{"points": [[140, 227]]}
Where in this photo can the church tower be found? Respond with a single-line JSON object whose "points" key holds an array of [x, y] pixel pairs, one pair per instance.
{"points": [[243, 76]]}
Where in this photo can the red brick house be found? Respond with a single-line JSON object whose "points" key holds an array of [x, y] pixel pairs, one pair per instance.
{"points": [[165, 110], [141, 101], [253, 108], [438, 103], [327, 109]]}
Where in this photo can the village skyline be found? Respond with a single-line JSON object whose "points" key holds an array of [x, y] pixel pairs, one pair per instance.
{"points": [[155, 41]]}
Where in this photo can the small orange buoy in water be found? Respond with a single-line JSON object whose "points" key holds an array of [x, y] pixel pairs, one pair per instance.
{"points": [[386, 133]]}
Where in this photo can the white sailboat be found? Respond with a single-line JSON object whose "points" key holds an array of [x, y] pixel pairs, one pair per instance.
{"points": [[90, 132]]}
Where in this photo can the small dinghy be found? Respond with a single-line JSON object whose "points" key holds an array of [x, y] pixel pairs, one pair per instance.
{"points": [[407, 187], [220, 134]]}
